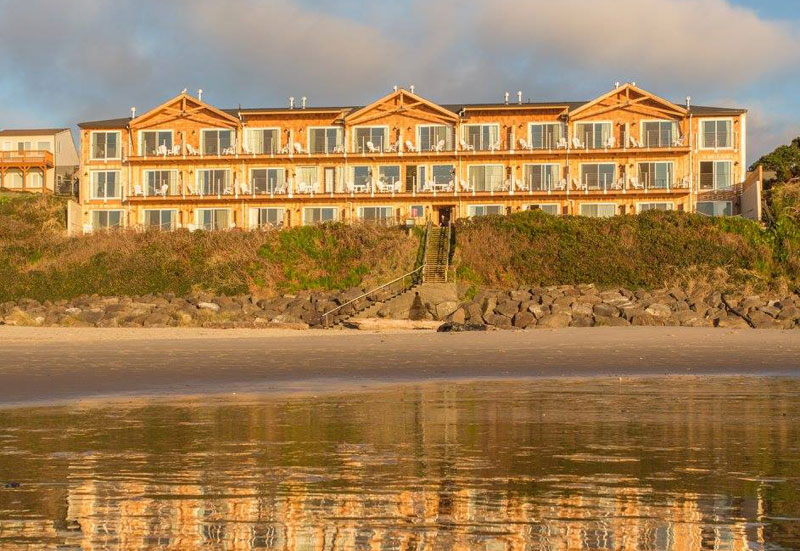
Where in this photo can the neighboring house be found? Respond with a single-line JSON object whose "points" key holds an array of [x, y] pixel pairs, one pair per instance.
{"points": [[38, 160], [404, 159]]}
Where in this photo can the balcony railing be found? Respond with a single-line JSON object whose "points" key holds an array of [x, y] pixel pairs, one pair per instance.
{"points": [[28, 157]]}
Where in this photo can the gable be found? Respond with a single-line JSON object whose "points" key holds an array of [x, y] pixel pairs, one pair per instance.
{"points": [[186, 109], [632, 100], [400, 106]]}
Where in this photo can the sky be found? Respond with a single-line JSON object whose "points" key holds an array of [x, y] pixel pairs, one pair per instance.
{"points": [[66, 61]]}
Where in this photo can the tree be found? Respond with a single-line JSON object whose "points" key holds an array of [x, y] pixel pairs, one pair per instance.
{"points": [[784, 160]]}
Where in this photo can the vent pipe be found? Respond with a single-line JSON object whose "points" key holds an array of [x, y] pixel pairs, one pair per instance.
{"points": [[394, 87], [200, 94], [633, 83], [506, 98], [616, 84], [303, 101], [688, 102], [291, 102], [133, 112], [519, 97], [411, 88]]}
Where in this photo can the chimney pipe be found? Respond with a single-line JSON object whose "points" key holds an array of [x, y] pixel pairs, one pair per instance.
{"points": [[133, 112], [616, 84], [291, 102], [688, 102], [506, 98], [394, 88], [303, 100], [633, 83], [519, 97], [411, 88], [200, 94]]}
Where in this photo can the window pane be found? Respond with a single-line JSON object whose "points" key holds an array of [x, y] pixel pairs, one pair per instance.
{"points": [[723, 177]]}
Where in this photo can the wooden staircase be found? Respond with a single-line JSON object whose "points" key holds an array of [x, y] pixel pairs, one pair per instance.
{"points": [[437, 254]]}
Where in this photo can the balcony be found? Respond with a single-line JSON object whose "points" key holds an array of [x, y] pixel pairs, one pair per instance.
{"points": [[21, 159]]}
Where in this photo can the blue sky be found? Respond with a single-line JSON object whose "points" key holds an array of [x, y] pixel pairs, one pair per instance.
{"points": [[67, 61]]}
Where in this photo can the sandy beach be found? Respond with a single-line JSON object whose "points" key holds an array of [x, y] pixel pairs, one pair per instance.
{"points": [[59, 364]]}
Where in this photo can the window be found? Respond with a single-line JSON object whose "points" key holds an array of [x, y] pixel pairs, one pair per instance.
{"points": [[267, 180], [485, 177], [326, 140], [442, 174], [416, 211], [35, 178], [13, 179], [105, 145], [541, 177], [159, 219], [262, 141], [362, 176], [549, 208], [545, 135], [213, 182], [715, 208], [716, 175], [642, 207], [268, 218], [482, 136], [215, 142], [161, 182], [598, 176], [378, 135], [389, 174], [151, 140], [318, 215], [308, 175], [106, 219], [593, 135], [716, 134], [659, 133], [105, 185], [43, 146], [431, 136], [485, 210], [380, 215], [598, 210], [656, 175], [213, 219]]}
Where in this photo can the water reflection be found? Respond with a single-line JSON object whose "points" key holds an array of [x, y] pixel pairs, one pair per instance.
{"points": [[661, 464]]}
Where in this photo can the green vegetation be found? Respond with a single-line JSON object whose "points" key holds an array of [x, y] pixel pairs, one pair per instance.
{"points": [[784, 160], [649, 250], [38, 261]]}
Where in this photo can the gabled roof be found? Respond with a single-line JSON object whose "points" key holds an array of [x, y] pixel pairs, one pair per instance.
{"points": [[399, 101], [182, 106], [32, 131], [640, 96]]}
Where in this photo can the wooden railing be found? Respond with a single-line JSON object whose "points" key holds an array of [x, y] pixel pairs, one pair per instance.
{"points": [[26, 157]]}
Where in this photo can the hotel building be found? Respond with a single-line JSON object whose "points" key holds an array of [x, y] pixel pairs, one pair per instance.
{"points": [[404, 159]]}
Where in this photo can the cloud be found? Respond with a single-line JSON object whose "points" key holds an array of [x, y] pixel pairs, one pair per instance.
{"points": [[95, 59]]}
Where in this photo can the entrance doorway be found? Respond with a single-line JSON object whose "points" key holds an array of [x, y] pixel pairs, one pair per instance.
{"points": [[444, 215]]}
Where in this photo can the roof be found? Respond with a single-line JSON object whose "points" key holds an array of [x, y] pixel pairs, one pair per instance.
{"points": [[32, 131], [696, 110]]}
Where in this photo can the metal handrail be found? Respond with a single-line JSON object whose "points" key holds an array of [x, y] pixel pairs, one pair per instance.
{"points": [[363, 295]]}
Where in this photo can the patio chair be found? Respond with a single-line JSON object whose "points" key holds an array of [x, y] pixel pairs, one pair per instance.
{"points": [[285, 150], [137, 190], [524, 145], [679, 142], [339, 148], [561, 185], [610, 142], [372, 149], [561, 143], [520, 185], [618, 184], [634, 182], [577, 143], [685, 182], [303, 187], [245, 149], [495, 146], [176, 150], [576, 184], [162, 150], [190, 187], [439, 147], [244, 188], [634, 142], [298, 148], [466, 186], [191, 150], [465, 146], [229, 151], [410, 146], [281, 188]]}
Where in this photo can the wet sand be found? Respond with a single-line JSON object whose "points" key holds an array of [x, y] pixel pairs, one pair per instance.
{"points": [[60, 364]]}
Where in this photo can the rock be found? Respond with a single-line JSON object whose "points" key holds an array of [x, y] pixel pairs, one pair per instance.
{"points": [[208, 306], [564, 301], [646, 319], [659, 310], [553, 321], [444, 309], [459, 316], [753, 301], [498, 320], [677, 294], [523, 320], [538, 311], [762, 320], [454, 327], [72, 311], [605, 309], [581, 321], [156, 319], [791, 313], [610, 321], [475, 313], [489, 305], [732, 322], [507, 308], [581, 309], [90, 316], [684, 317]]}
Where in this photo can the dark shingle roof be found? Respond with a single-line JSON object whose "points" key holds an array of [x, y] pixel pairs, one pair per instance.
{"points": [[108, 123], [31, 131]]}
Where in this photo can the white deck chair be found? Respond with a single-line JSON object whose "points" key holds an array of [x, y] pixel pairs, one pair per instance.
{"points": [[298, 148], [285, 150], [577, 185], [466, 186], [303, 187], [561, 143], [176, 150], [394, 147], [524, 145], [577, 143], [164, 190], [162, 150], [438, 147], [281, 188], [634, 182], [371, 148], [561, 185], [633, 141], [680, 142], [245, 149], [339, 148], [410, 146], [495, 146], [137, 190], [191, 150], [610, 142], [465, 146]]}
